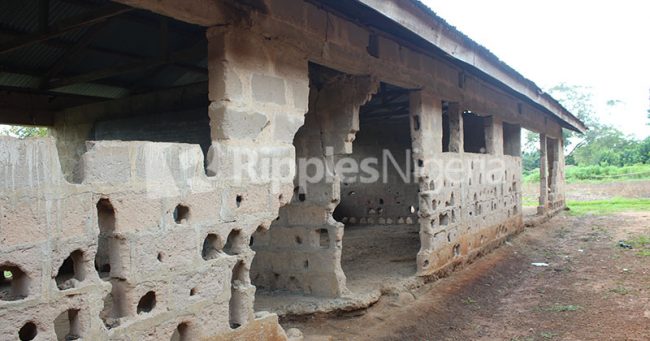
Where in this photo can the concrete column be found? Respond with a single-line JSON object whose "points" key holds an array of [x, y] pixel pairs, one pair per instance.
{"points": [[455, 127], [302, 252], [494, 136], [543, 175], [426, 125], [259, 91]]}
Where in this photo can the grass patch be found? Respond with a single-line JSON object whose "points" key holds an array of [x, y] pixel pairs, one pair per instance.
{"points": [[640, 241], [608, 206], [562, 308], [642, 244], [596, 174], [620, 290], [527, 201], [548, 335], [469, 300]]}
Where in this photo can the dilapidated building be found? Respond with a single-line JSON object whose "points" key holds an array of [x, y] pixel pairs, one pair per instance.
{"points": [[177, 196]]}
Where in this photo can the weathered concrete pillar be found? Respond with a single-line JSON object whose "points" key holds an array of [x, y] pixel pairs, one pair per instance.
{"points": [[302, 250], [494, 135], [426, 109], [543, 175], [258, 90], [455, 127]]}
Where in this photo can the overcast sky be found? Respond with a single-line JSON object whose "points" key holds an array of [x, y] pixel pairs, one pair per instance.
{"points": [[604, 45]]}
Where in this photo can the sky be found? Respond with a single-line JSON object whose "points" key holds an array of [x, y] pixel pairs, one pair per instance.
{"points": [[600, 44]]}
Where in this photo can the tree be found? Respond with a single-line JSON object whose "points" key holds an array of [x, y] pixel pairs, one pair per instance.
{"points": [[602, 144], [24, 131]]}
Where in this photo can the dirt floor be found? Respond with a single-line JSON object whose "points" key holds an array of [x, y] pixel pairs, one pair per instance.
{"points": [[375, 259], [592, 289], [377, 254]]}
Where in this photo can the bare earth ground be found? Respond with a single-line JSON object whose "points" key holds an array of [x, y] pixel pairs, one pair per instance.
{"points": [[592, 289]]}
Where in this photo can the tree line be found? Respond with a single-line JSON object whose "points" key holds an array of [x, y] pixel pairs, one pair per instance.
{"points": [[601, 145]]}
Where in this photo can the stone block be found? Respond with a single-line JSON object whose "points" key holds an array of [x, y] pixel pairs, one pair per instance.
{"points": [[229, 122], [268, 89]]}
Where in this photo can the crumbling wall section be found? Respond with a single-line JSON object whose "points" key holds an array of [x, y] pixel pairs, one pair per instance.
{"points": [[302, 250], [468, 201], [150, 239], [44, 220]]}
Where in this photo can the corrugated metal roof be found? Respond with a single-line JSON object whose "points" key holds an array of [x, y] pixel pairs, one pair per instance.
{"points": [[93, 89], [18, 80], [123, 40]]}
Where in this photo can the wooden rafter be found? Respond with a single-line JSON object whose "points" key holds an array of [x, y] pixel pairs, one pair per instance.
{"points": [[64, 26]]}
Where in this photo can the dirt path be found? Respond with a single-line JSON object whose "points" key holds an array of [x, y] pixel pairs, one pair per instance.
{"points": [[591, 290]]}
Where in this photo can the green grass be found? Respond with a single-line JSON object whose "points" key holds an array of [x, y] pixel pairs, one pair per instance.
{"points": [[582, 174], [608, 206], [640, 241], [620, 290], [548, 335], [528, 201], [642, 244]]}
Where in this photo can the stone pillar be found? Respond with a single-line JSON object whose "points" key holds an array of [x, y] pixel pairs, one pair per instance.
{"points": [[494, 135], [455, 127], [543, 175], [258, 90], [302, 250], [427, 145]]}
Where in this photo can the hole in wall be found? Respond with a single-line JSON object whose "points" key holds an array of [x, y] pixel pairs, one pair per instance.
{"points": [[298, 240], [324, 238], [106, 222], [211, 246], [147, 303], [193, 291], [234, 243], [373, 45], [416, 122], [181, 333], [181, 214], [66, 325], [14, 283], [160, 257], [28, 332], [238, 200], [443, 219], [237, 308], [302, 197], [456, 250], [71, 271], [306, 263]]}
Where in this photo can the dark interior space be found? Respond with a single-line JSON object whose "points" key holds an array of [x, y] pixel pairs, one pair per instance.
{"points": [[98, 53], [446, 128], [474, 132]]}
